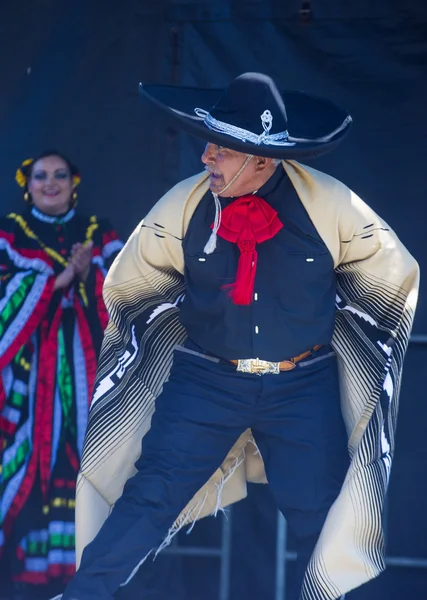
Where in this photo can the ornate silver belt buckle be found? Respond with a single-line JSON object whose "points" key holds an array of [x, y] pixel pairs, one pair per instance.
{"points": [[257, 366]]}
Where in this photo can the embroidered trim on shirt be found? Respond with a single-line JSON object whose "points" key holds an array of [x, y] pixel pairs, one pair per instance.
{"points": [[38, 214]]}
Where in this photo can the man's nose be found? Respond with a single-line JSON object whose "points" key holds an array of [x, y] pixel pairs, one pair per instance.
{"points": [[209, 155]]}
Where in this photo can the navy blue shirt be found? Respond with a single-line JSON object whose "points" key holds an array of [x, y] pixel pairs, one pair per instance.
{"points": [[294, 295]]}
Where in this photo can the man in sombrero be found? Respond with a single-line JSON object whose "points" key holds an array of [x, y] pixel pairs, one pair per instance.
{"points": [[264, 310]]}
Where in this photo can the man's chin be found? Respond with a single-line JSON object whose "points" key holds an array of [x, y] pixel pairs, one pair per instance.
{"points": [[216, 181], [215, 187]]}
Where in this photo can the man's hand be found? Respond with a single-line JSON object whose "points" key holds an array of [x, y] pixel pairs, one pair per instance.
{"points": [[81, 259]]}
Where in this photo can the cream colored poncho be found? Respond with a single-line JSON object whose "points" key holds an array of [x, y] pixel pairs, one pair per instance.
{"points": [[377, 282]]}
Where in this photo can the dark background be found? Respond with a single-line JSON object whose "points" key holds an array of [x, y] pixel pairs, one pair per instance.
{"points": [[68, 79]]}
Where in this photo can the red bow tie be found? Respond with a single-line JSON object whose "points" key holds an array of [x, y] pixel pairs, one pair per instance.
{"points": [[247, 221]]}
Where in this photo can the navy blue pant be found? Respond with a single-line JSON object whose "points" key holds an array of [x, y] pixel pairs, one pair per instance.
{"points": [[296, 420]]}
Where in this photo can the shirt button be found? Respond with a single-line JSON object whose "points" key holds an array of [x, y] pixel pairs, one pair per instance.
{"points": [[256, 329], [63, 251], [58, 228], [60, 240]]}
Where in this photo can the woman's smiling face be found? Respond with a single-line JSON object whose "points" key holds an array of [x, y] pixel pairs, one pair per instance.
{"points": [[51, 185]]}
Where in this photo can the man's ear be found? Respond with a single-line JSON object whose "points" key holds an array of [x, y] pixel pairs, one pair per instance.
{"points": [[262, 162]]}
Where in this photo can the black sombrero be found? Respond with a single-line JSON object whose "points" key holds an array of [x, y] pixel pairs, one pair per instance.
{"points": [[253, 117]]}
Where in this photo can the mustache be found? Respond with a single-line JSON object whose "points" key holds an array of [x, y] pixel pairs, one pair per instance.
{"points": [[212, 171]]}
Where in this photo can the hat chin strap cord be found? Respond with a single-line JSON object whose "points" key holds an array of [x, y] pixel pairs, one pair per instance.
{"points": [[211, 243]]}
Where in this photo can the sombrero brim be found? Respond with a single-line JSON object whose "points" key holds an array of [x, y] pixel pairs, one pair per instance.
{"points": [[316, 125]]}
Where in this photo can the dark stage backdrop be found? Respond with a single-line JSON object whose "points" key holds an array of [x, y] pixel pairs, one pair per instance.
{"points": [[68, 79]]}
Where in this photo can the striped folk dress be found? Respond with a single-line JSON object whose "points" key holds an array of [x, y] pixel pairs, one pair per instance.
{"points": [[49, 343]]}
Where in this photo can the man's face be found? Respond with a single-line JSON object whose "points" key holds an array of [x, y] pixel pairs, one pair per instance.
{"points": [[223, 164]]}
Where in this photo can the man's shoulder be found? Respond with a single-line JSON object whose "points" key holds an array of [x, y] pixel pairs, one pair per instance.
{"points": [[184, 188], [320, 178], [319, 189], [180, 199]]}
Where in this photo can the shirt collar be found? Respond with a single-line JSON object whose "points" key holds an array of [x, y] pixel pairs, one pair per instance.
{"points": [[271, 184], [53, 219]]}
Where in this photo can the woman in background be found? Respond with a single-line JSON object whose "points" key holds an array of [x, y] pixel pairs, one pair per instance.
{"points": [[53, 261]]}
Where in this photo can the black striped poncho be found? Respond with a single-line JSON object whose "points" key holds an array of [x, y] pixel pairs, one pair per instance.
{"points": [[377, 282]]}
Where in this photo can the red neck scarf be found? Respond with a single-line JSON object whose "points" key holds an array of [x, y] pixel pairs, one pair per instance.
{"points": [[247, 221]]}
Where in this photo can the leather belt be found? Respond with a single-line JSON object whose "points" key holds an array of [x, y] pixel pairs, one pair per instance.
{"points": [[262, 367]]}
